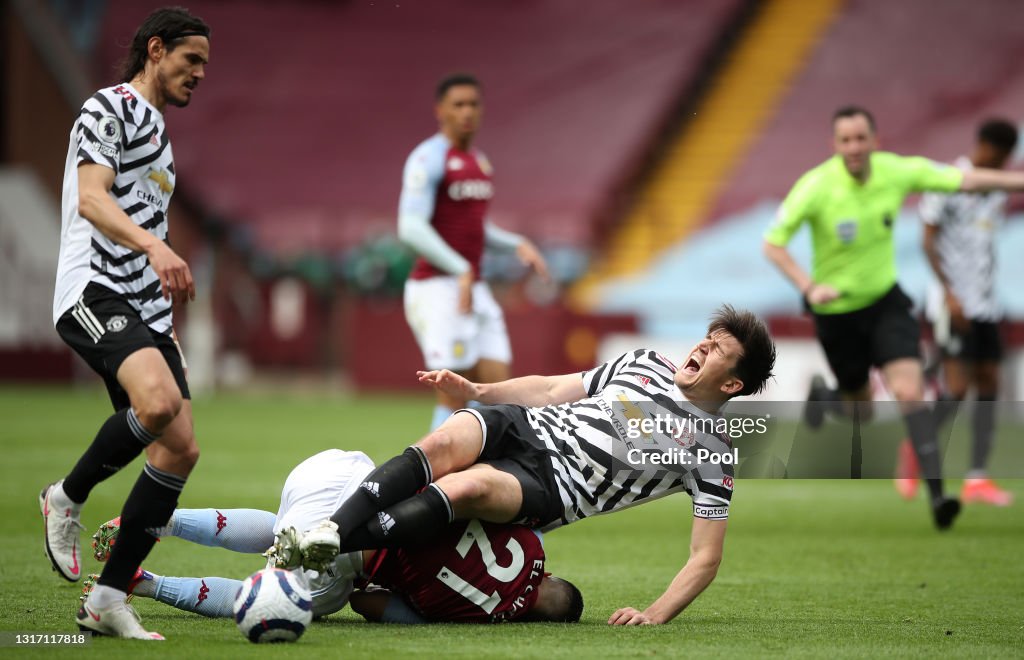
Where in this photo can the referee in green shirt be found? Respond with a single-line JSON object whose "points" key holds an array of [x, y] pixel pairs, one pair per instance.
{"points": [[861, 316]]}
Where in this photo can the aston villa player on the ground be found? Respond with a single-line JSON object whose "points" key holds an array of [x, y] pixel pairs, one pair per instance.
{"points": [[473, 572]]}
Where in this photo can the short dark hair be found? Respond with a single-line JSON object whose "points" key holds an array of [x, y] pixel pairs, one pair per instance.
{"points": [[172, 25], [564, 603], [847, 111], [999, 133], [755, 366], [454, 80]]}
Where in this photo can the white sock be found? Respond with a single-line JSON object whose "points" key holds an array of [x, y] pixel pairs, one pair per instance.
{"points": [[101, 597], [147, 588]]}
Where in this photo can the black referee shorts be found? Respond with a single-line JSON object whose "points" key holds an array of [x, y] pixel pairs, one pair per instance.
{"points": [[104, 329], [855, 341], [512, 446]]}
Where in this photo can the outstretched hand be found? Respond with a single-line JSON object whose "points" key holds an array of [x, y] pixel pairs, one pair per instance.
{"points": [[628, 616], [531, 257], [450, 383]]}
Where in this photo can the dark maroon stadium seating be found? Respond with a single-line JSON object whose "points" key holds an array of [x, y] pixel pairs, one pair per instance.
{"points": [[310, 108], [929, 70]]}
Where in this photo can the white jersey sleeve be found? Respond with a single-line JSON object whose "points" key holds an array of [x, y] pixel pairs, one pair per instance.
{"points": [[100, 134], [423, 172], [711, 494], [501, 239]]}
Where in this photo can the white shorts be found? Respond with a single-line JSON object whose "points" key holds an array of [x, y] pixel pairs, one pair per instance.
{"points": [[448, 339], [313, 492]]}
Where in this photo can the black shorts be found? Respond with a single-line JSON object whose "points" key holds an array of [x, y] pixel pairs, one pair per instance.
{"points": [[512, 446], [981, 343], [104, 329], [855, 341]]}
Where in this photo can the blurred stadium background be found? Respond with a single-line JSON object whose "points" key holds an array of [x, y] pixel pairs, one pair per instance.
{"points": [[643, 145]]}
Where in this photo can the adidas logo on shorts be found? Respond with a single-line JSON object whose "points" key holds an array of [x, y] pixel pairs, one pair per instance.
{"points": [[386, 522]]}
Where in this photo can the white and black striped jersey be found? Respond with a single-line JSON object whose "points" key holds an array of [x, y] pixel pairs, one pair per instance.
{"points": [[590, 440], [119, 129], [967, 224]]}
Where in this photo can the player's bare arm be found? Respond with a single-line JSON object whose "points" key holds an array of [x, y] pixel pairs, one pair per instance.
{"points": [[984, 180], [526, 252], [816, 294], [525, 391], [97, 206], [466, 292], [531, 257], [706, 542]]}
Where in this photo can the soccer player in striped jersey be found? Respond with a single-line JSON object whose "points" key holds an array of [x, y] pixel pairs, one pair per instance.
{"points": [[117, 278], [959, 239], [861, 315], [563, 448], [442, 215]]}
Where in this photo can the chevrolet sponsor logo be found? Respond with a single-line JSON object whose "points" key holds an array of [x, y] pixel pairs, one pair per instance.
{"points": [[162, 179]]}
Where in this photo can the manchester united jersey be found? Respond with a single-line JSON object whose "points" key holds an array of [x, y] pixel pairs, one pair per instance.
{"points": [[119, 129]]}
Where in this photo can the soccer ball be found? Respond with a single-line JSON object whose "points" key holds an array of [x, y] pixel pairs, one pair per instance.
{"points": [[272, 606]]}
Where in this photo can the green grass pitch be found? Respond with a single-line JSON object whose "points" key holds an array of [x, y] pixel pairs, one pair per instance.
{"points": [[812, 568]]}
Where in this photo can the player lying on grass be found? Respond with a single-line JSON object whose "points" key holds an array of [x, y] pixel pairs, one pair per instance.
{"points": [[564, 451], [473, 573]]}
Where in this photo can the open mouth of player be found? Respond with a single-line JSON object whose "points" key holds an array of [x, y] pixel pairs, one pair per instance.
{"points": [[691, 366]]}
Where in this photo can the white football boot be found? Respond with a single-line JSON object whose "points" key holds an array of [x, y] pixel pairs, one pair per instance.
{"points": [[285, 553], [118, 620], [319, 546], [62, 531]]}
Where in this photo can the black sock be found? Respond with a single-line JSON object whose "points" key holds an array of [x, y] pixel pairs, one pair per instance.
{"points": [[921, 428], [414, 520], [397, 479], [945, 409], [983, 424], [149, 506], [121, 438]]}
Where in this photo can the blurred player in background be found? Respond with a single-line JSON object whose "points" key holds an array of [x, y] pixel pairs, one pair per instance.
{"points": [[559, 449], [473, 573], [117, 279], [442, 215], [861, 316], [959, 239]]}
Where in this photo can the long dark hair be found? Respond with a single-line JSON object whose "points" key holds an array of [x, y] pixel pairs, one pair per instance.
{"points": [[172, 25]]}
